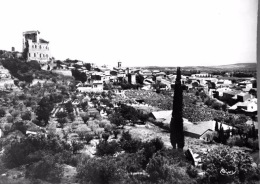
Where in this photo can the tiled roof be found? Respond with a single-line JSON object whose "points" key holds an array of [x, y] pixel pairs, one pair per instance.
{"points": [[201, 127]]}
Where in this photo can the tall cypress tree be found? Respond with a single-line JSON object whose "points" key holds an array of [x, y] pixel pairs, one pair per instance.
{"points": [[216, 126], [176, 126]]}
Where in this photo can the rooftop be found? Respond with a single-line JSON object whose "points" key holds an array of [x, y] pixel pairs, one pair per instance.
{"points": [[31, 32]]}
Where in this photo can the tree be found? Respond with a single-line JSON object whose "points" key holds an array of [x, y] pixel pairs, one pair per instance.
{"points": [[76, 146], [62, 121], [25, 51], [117, 119], [104, 170], [85, 117], [44, 109], [69, 107], [26, 115], [224, 165], [61, 114], [81, 76], [46, 169], [216, 126], [2, 112], [139, 79], [176, 125]]}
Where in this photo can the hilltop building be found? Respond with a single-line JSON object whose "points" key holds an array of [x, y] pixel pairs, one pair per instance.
{"points": [[38, 48]]}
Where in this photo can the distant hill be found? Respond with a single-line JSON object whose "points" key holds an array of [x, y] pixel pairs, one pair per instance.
{"points": [[229, 67]]}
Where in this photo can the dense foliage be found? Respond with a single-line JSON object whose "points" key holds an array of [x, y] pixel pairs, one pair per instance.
{"points": [[224, 165]]}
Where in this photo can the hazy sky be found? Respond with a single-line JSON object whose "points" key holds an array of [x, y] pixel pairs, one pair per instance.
{"points": [[137, 32]]}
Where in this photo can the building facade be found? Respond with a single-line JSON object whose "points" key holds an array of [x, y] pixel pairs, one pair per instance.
{"points": [[38, 49]]}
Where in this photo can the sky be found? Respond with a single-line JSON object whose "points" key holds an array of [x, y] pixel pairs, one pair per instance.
{"points": [[137, 32]]}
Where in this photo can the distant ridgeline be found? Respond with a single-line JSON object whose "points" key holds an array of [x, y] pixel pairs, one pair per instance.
{"points": [[239, 67]]}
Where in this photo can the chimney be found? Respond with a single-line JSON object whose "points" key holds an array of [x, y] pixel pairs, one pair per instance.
{"points": [[13, 49]]}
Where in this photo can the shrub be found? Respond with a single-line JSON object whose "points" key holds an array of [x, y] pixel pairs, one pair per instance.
{"points": [[216, 105], [102, 170], [85, 117], [107, 148], [61, 114], [129, 144], [192, 171], [46, 169], [19, 126], [116, 132], [151, 147], [2, 112], [10, 119], [105, 136], [86, 137], [131, 162], [235, 141], [108, 127], [76, 146], [254, 144], [62, 121], [26, 115], [15, 114], [228, 160], [157, 168], [162, 169]]}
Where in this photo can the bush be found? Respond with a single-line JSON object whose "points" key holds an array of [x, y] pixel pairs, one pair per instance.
{"points": [[105, 136], [234, 161], [10, 119], [46, 169], [76, 146], [85, 117], [129, 144], [102, 170], [235, 141], [86, 137], [192, 171], [254, 144], [131, 162], [151, 147], [157, 168], [2, 112], [19, 126], [216, 105], [107, 148], [26, 115], [116, 132], [61, 114], [162, 169], [15, 114]]}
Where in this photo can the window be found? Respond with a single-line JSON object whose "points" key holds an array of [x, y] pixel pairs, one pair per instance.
{"points": [[29, 54], [40, 46], [34, 54], [40, 55], [32, 46], [47, 55], [36, 46]]}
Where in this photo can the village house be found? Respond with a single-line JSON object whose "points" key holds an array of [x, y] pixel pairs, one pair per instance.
{"points": [[202, 74], [248, 107], [223, 83], [196, 130], [38, 49], [146, 73], [245, 84]]}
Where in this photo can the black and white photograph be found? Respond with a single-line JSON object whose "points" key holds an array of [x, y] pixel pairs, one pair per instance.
{"points": [[129, 92]]}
